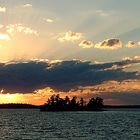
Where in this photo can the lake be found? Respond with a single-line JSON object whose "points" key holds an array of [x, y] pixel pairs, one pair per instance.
{"points": [[123, 124]]}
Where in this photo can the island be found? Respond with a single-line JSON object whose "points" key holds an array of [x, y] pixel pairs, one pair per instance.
{"points": [[56, 103]]}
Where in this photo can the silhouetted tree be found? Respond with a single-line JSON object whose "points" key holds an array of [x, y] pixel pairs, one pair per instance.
{"points": [[55, 103], [73, 104], [95, 104], [91, 104], [67, 100], [99, 102], [67, 103], [81, 103]]}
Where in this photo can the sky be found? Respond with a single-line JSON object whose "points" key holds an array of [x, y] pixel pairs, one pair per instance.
{"points": [[83, 48]]}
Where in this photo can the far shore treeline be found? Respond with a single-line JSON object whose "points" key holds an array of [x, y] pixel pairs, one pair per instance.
{"points": [[56, 103]]}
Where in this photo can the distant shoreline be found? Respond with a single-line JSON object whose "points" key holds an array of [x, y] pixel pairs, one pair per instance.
{"points": [[30, 106], [121, 106], [18, 106]]}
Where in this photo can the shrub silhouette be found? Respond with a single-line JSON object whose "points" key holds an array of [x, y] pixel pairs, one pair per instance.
{"points": [[56, 103]]}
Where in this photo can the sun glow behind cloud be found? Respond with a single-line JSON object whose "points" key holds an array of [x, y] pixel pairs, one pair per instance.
{"points": [[9, 98], [111, 92], [15, 41], [27, 29], [39, 97], [109, 80]]}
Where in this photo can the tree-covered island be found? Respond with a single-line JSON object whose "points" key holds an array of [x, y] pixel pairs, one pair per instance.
{"points": [[56, 103]]}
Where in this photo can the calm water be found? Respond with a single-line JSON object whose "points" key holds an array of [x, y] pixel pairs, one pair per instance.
{"points": [[35, 125]]}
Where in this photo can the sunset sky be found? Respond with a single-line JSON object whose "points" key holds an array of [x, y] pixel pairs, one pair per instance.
{"points": [[85, 48]]}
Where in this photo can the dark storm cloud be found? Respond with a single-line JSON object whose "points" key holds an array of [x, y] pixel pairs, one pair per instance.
{"points": [[24, 77]]}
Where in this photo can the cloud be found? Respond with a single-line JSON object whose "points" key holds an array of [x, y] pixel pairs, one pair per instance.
{"points": [[27, 5], [15, 28], [132, 44], [86, 44], [2, 9], [96, 13], [109, 44], [122, 98], [113, 92], [102, 13], [70, 36], [48, 20], [4, 37], [26, 77], [125, 92], [135, 58], [115, 86]]}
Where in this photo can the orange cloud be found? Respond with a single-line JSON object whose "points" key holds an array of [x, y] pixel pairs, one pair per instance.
{"points": [[113, 92]]}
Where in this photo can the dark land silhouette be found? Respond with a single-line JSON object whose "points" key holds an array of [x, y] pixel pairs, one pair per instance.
{"points": [[56, 103], [121, 106], [17, 106]]}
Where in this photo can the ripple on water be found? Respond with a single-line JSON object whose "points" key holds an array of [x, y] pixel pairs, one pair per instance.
{"points": [[35, 125]]}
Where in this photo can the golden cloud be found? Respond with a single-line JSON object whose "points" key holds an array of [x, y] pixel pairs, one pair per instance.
{"points": [[115, 86], [4, 37], [86, 44], [27, 5], [14, 28], [2, 9], [136, 58], [70, 36], [48, 20], [132, 44], [113, 92], [110, 44]]}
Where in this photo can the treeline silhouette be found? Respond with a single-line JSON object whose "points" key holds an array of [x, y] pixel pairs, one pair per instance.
{"points": [[56, 103]]}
